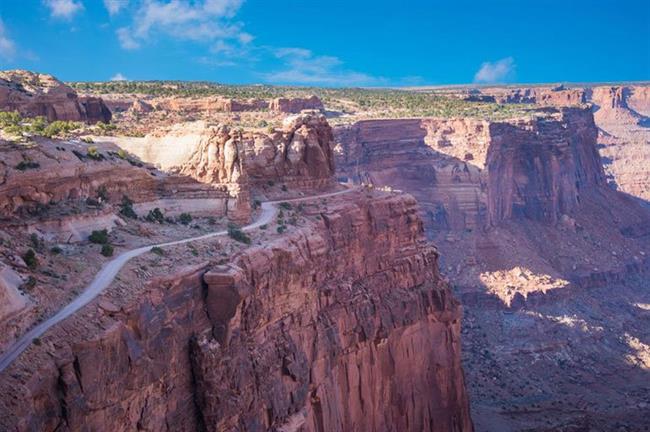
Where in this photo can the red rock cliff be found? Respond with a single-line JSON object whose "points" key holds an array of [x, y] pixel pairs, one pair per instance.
{"points": [[469, 173], [538, 169], [342, 326], [34, 94]]}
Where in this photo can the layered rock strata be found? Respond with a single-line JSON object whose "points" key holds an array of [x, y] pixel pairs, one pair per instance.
{"points": [[33, 94], [295, 105], [622, 115], [469, 173], [37, 181], [298, 155], [344, 325]]}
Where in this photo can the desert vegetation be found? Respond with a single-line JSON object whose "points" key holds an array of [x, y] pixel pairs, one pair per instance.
{"points": [[382, 102], [18, 127]]}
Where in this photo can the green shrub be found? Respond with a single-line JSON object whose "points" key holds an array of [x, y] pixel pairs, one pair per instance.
{"points": [[185, 218], [38, 125], [56, 250], [158, 251], [281, 229], [12, 118], [99, 237], [236, 233], [126, 208], [106, 127], [94, 154], [285, 205], [155, 215], [87, 140], [107, 250], [30, 259], [59, 127], [263, 227]]}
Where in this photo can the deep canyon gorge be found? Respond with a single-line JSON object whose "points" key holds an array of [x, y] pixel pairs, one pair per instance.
{"points": [[478, 261]]}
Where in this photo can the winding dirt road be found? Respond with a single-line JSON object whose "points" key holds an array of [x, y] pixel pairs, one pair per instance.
{"points": [[108, 272]]}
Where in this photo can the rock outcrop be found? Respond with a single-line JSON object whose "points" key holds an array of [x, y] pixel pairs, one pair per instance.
{"points": [[469, 173], [342, 325], [621, 113], [544, 255], [538, 169], [61, 174], [207, 104], [33, 94], [299, 155], [295, 105], [549, 96]]}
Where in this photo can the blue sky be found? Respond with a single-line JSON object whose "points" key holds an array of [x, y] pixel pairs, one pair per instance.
{"points": [[332, 43]]}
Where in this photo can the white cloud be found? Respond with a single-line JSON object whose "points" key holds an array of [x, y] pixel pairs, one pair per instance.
{"points": [[7, 46], [498, 71], [115, 6], [118, 77], [301, 66], [127, 41], [204, 21], [64, 9]]}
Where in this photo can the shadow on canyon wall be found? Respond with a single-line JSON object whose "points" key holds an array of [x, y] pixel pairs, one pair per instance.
{"points": [[573, 354]]}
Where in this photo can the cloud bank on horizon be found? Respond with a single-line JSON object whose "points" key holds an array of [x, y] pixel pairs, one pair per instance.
{"points": [[334, 44]]}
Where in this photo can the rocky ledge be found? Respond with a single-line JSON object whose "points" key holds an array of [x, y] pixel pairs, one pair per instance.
{"points": [[33, 94], [342, 325]]}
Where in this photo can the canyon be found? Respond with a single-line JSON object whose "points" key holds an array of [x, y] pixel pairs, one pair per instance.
{"points": [[310, 323], [536, 234], [483, 269]]}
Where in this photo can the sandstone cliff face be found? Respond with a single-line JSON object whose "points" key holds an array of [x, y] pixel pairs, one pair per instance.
{"points": [[411, 155], [299, 155], [469, 173], [207, 104], [34, 94], [538, 169], [622, 115], [541, 252], [295, 105], [62, 177], [342, 326], [551, 96]]}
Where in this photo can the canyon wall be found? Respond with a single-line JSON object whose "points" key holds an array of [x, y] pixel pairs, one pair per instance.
{"points": [[538, 169], [622, 115], [342, 325], [33, 94], [63, 174], [295, 105], [550, 263], [299, 155], [469, 173]]}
